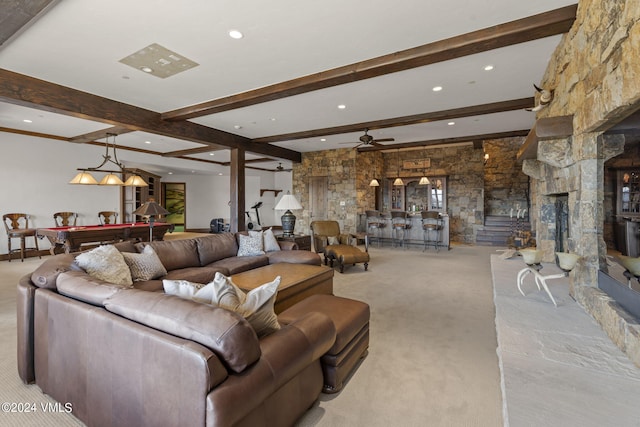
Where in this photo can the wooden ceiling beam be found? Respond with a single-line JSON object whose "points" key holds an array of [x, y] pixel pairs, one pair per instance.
{"points": [[447, 141], [30, 92], [18, 15], [534, 27], [455, 113]]}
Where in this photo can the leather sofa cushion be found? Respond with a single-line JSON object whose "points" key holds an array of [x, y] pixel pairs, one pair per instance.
{"points": [[202, 275], [79, 285], [46, 274], [174, 254], [216, 247], [226, 333], [238, 264]]}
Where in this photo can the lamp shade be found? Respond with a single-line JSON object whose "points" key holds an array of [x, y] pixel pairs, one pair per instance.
{"points": [[111, 179], [151, 208], [84, 178], [288, 202], [398, 181], [424, 181], [374, 183], [135, 181]]}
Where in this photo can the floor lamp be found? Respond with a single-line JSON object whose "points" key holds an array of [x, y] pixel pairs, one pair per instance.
{"points": [[150, 208]]}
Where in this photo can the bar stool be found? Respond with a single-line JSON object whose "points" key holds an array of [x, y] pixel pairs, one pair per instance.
{"points": [[431, 229], [375, 224], [17, 226], [105, 217], [399, 225], [65, 219]]}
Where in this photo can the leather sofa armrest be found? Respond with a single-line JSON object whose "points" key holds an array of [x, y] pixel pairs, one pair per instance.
{"points": [[285, 353]]}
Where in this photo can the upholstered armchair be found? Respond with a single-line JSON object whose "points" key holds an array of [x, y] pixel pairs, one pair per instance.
{"points": [[337, 246]]}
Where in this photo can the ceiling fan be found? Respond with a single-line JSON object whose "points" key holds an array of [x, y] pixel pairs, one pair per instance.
{"points": [[281, 168], [367, 139]]}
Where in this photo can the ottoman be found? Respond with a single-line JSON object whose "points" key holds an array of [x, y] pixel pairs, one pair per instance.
{"points": [[351, 320], [346, 254]]}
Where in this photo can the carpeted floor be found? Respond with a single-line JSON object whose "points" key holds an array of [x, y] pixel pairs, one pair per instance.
{"points": [[432, 359]]}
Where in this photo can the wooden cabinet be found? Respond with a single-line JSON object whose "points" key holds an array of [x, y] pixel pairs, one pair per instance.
{"points": [[303, 241], [133, 197], [628, 192]]}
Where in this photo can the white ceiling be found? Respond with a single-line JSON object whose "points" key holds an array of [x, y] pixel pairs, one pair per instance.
{"points": [[79, 44]]}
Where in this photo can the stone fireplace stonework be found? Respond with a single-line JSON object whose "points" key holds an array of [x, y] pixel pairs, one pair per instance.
{"points": [[595, 76]]}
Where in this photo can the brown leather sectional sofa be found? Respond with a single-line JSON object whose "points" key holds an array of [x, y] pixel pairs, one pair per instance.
{"points": [[135, 357]]}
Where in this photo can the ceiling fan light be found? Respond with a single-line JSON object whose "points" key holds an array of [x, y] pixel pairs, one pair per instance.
{"points": [[424, 181], [84, 178], [111, 179]]}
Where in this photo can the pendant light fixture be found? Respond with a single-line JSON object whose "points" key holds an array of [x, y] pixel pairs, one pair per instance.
{"points": [[424, 180], [398, 180], [84, 177]]}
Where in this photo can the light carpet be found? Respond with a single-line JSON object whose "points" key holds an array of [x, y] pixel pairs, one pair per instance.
{"points": [[432, 359], [558, 366]]}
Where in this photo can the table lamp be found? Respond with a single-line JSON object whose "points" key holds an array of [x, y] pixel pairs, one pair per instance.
{"points": [[150, 208], [287, 203]]}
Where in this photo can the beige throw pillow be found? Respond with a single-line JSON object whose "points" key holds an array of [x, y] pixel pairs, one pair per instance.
{"points": [[270, 241], [255, 306], [189, 290], [145, 265], [106, 263]]}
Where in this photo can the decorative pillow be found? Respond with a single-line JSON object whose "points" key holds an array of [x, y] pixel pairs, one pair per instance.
{"points": [[270, 241], [333, 240], [250, 245], [256, 306], [145, 265], [106, 263], [189, 290]]}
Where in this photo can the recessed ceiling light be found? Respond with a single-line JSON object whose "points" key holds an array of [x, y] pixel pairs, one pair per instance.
{"points": [[147, 142], [342, 106], [273, 119], [212, 154], [170, 173], [323, 139], [146, 69], [488, 67], [451, 123], [237, 127], [437, 88], [235, 34], [219, 173], [27, 121]]}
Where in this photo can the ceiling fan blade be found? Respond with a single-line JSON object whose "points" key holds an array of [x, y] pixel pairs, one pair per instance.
{"points": [[362, 143], [384, 140], [342, 143]]}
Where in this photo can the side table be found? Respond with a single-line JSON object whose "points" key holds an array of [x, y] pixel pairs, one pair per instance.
{"points": [[303, 240]]}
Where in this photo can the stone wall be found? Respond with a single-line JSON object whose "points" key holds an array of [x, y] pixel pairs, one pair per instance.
{"points": [[595, 76], [505, 184]]}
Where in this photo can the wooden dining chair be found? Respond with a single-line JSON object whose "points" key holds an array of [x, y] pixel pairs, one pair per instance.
{"points": [[65, 219], [105, 217], [17, 227]]}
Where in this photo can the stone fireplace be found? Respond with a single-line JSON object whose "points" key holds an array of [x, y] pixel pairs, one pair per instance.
{"points": [[595, 77]]}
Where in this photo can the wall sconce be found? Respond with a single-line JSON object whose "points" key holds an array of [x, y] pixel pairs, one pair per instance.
{"points": [[486, 158]]}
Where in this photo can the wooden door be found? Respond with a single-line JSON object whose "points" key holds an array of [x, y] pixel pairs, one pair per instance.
{"points": [[318, 198]]}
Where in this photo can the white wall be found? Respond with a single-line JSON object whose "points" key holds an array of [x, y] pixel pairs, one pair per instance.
{"points": [[34, 176]]}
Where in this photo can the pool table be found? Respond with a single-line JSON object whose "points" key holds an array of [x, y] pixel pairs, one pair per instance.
{"points": [[70, 238]]}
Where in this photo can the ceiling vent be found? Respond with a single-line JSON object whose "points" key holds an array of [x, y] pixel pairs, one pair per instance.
{"points": [[158, 61]]}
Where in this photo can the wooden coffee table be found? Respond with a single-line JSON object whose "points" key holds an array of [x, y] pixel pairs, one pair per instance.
{"points": [[298, 281]]}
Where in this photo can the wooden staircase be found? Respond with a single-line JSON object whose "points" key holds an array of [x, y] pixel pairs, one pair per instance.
{"points": [[497, 230]]}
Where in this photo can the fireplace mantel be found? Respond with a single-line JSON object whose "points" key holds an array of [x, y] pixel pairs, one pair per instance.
{"points": [[544, 129]]}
